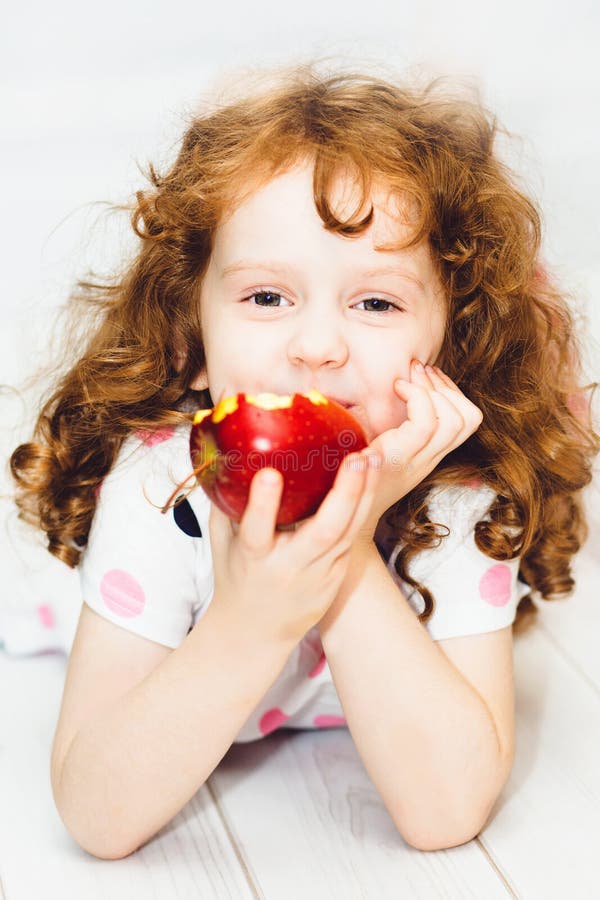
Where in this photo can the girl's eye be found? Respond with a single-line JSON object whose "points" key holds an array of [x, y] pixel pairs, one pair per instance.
{"points": [[382, 306], [378, 307], [268, 295]]}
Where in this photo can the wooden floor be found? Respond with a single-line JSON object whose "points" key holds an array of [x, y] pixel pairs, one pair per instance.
{"points": [[295, 815]]}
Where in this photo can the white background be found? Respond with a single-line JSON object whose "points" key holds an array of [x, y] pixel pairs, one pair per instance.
{"points": [[89, 91]]}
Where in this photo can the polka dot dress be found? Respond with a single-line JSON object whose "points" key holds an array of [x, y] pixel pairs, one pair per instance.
{"points": [[472, 593], [151, 573]]}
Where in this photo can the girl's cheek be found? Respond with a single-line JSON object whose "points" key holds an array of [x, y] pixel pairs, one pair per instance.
{"points": [[399, 416], [384, 416]]}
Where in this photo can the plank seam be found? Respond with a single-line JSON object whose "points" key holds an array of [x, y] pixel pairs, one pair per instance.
{"points": [[503, 878], [217, 805]]}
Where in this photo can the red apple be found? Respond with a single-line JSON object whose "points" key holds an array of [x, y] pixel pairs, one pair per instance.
{"points": [[304, 436]]}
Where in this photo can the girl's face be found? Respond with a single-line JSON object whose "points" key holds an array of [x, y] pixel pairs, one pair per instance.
{"points": [[287, 306]]}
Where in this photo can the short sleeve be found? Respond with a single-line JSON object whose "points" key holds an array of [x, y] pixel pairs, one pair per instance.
{"points": [[149, 572], [472, 593]]}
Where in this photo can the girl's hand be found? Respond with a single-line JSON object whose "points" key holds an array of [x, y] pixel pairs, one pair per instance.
{"points": [[440, 418], [281, 583]]}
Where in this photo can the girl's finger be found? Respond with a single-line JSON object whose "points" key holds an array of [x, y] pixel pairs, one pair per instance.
{"points": [[445, 386], [434, 371], [367, 497], [451, 430], [437, 381], [419, 374], [421, 423], [326, 527], [257, 526], [444, 435], [431, 379]]}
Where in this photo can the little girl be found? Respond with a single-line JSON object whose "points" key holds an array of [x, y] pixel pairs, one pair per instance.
{"points": [[360, 237]]}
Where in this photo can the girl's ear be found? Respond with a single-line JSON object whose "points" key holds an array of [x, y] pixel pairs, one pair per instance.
{"points": [[200, 382]]}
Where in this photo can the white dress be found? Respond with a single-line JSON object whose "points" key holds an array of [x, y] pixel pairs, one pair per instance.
{"points": [[152, 574]]}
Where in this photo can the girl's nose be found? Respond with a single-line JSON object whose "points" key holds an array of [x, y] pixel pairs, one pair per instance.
{"points": [[318, 341]]}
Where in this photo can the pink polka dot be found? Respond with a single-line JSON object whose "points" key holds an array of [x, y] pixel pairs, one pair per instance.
{"points": [[329, 721], [46, 616], [272, 719], [472, 482], [494, 585], [122, 594], [318, 668], [150, 438]]}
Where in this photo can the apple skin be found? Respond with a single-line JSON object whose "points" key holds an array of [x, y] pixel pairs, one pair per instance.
{"points": [[304, 436]]}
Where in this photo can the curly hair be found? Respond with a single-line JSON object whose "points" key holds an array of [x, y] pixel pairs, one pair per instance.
{"points": [[510, 344]]}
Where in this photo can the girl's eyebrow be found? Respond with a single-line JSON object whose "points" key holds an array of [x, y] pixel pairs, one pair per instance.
{"points": [[246, 264]]}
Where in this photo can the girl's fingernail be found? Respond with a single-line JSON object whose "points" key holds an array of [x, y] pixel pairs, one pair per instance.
{"points": [[358, 463], [417, 365], [270, 477]]}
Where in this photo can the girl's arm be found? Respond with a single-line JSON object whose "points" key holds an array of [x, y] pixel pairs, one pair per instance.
{"points": [[438, 746], [138, 759], [141, 753]]}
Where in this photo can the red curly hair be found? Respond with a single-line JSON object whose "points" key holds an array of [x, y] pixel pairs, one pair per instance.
{"points": [[510, 344]]}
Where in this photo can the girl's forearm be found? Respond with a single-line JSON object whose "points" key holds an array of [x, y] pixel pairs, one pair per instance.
{"points": [[425, 735], [133, 768]]}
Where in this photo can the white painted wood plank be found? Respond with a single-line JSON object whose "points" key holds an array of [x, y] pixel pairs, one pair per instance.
{"points": [[545, 828], [541, 836], [310, 823], [191, 857]]}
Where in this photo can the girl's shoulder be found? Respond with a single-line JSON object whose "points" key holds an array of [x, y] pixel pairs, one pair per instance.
{"points": [[146, 565], [164, 453], [148, 469], [457, 506], [142, 504], [460, 506]]}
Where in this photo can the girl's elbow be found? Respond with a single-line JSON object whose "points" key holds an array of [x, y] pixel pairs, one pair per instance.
{"points": [[435, 840], [105, 850], [97, 836], [100, 843], [433, 834], [107, 854], [461, 825]]}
